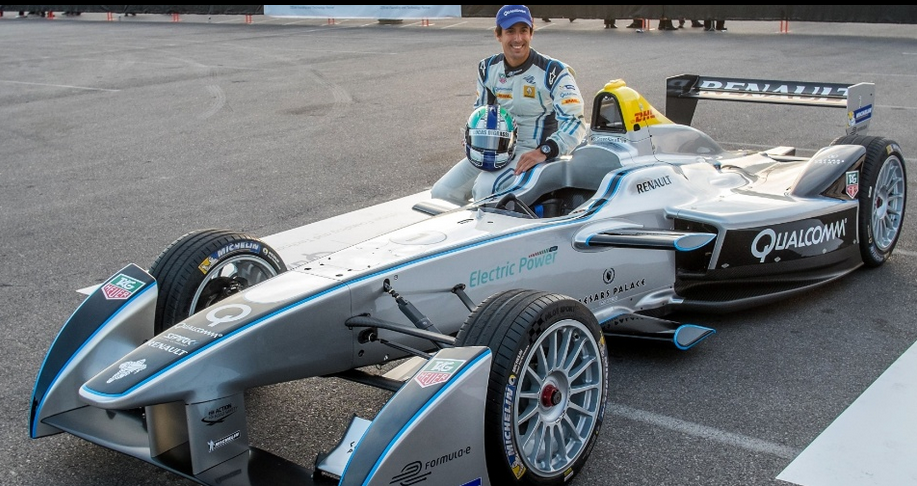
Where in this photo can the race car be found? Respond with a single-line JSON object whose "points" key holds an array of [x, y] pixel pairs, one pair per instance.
{"points": [[493, 315]]}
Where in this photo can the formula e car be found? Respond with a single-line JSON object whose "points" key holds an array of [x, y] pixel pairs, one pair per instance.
{"points": [[493, 315]]}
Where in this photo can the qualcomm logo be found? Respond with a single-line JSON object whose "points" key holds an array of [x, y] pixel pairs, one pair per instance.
{"points": [[769, 240], [216, 316]]}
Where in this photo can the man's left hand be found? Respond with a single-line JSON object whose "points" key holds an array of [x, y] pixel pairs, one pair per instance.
{"points": [[529, 159]]}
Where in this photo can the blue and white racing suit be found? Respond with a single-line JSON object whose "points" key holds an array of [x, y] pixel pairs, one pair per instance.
{"points": [[546, 105]]}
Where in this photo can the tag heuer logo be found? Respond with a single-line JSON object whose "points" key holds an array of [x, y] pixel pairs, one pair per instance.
{"points": [[121, 287], [437, 371], [853, 184]]}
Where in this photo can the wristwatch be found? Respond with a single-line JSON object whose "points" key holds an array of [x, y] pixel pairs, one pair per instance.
{"points": [[549, 149]]}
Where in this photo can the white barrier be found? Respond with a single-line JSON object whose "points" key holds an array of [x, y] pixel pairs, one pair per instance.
{"points": [[393, 12]]}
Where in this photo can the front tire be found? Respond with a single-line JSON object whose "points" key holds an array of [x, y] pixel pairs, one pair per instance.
{"points": [[548, 385], [882, 197], [203, 267]]}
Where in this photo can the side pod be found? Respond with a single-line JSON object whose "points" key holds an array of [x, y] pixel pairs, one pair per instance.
{"points": [[115, 318]]}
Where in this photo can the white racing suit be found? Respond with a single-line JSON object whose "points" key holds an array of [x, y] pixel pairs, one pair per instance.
{"points": [[547, 107]]}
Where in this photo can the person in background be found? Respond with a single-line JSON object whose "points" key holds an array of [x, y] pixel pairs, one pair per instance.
{"points": [[694, 23], [537, 91], [711, 25]]}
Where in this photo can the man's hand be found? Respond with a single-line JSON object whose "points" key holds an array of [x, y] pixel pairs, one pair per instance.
{"points": [[529, 159]]}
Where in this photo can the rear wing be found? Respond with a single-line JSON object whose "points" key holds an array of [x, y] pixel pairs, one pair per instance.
{"points": [[683, 91]]}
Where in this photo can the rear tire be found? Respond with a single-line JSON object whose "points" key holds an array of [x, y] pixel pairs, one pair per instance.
{"points": [[882, 197], [548, 385], [203, 267]]}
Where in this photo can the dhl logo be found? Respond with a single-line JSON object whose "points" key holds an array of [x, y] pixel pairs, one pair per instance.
{"points": [[644, 115]]}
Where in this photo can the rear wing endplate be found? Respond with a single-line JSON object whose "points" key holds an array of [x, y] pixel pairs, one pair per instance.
{"points": [[683, 91]]}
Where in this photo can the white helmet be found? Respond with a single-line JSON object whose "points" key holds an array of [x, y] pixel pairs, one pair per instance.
{"points": [[490, 137]]}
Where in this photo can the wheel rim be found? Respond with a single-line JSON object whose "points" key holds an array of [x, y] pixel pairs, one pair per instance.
{"points": [[559, 397], [229, 277], [888, 203]]}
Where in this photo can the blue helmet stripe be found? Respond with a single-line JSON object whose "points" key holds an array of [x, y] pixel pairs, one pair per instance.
{"points": [[492, 119]]}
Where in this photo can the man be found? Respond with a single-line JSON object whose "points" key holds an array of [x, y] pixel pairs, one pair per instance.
{"points": [[540, 94]]}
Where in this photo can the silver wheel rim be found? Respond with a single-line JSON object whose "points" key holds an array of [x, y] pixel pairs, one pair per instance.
{"points": [[888, 203], [558, 398], [251, 269]]}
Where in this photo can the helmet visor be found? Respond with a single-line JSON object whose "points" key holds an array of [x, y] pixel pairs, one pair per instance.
{"points": [[490, 139]]}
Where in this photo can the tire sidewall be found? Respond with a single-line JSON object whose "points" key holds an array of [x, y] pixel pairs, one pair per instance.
{"points": [[879, 151], [502, 445], [241, 246], [192, 259]]}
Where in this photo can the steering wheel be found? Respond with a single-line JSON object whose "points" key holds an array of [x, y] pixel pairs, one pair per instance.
{"points": [[509, 202]]}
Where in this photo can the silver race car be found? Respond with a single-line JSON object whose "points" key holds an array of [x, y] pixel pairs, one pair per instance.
{"points": [[491, 318]]}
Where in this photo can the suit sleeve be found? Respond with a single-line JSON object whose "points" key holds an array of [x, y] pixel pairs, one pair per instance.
{"points": [[568, 107], [484, 95]]}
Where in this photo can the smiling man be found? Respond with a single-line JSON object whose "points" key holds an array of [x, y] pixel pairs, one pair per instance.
{"points": [[540, 94]]}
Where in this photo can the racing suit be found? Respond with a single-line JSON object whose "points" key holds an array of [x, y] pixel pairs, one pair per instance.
{"points": [[547, 107]]}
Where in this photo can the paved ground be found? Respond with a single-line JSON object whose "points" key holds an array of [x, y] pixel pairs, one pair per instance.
{"points": [[118, 136]]}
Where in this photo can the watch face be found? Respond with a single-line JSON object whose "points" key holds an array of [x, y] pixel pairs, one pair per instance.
{"points": [[545, 149]]}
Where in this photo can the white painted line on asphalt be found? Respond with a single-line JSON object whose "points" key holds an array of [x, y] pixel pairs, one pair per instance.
{"points": [[59, 86], [704, 432], [873, 442], [909, 253]]}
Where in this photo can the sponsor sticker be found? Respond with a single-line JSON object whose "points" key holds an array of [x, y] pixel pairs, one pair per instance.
{"points": [[528, 91], [219, 414], [128, 368], [437, 370], [853, 184], [533, 261], [645, 115], [609, 275], [489, 132], [216, 444], [509, 447], [860, 115], [411, 473], [213, 258], [121, 287]]}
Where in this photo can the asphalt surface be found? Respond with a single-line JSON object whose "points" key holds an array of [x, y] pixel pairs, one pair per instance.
{"points": [[116, 137]]}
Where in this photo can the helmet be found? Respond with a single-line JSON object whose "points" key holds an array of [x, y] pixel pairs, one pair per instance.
{"points": [[490, 137]]}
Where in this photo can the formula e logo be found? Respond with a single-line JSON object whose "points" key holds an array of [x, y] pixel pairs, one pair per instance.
{"points": [[437, 371], [410, 474], [121, 287]]}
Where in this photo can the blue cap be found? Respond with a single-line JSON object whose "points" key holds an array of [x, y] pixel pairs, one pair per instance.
{"points": [[511, 15]]}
